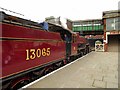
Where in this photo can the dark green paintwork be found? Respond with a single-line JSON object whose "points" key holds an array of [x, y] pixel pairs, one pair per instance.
{"points": [[88, 28]]}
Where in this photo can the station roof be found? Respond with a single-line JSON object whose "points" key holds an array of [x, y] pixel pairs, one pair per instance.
{"points": [[87, 20], [111, 14]]}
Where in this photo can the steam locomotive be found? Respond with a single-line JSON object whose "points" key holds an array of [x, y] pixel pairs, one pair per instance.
{"points": [[28, 52]]}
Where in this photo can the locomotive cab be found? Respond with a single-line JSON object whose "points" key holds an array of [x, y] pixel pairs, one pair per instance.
{"points": [[65, 34]]}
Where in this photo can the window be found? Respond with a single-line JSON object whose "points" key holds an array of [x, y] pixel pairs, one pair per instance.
{"points": [[113, 23]]}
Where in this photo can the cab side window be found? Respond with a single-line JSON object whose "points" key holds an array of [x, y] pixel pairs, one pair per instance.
{"points": [[66, 37]]}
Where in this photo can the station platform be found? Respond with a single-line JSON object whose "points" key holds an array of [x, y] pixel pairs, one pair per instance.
{"points": [[94, 70]]}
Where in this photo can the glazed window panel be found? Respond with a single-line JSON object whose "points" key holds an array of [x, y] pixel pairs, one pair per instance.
{"points": [[113, 24], [117, 24]]}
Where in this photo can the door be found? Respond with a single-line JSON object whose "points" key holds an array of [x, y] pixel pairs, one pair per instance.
{"points": [[113, 43]]}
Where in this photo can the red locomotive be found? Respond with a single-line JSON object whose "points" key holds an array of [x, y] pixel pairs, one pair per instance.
{"points": [[27, 51]]}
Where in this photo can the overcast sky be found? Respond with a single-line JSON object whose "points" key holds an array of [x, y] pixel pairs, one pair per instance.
{"points": [[37, 10]]}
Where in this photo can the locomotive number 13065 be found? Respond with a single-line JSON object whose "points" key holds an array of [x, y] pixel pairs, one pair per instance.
{"points": [[37, 53]]}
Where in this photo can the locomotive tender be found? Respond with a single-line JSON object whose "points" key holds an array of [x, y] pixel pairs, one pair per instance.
{"points": [[28, 52]]}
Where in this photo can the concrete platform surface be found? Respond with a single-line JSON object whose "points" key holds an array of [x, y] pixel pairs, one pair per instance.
{"points": [[95, 70]]}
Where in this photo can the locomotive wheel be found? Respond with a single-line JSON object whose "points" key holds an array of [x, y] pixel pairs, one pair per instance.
{"points": [[78, 56], [68, 59], [82, 53], [88, 49], [19, 85]]}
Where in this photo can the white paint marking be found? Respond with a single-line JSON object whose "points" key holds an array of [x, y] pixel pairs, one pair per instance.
{"points": [[51, 73]]}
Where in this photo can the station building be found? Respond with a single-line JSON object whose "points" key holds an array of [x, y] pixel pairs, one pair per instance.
{"points": [[111, 20]]}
